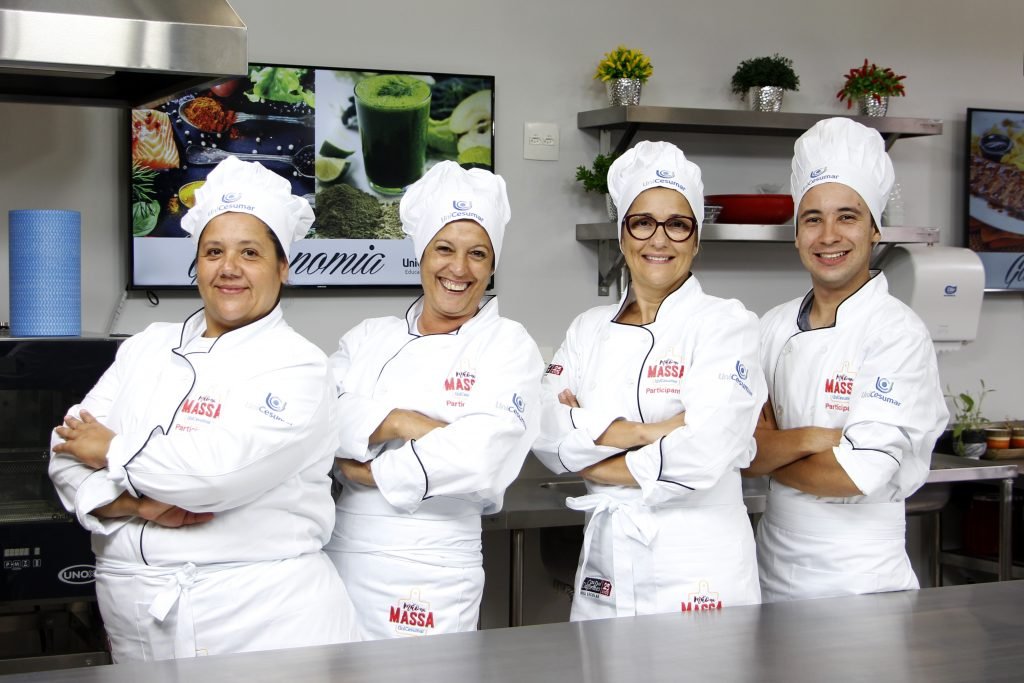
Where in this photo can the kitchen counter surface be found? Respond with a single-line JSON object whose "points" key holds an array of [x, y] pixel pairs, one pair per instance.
{"points": [[956, 633]]}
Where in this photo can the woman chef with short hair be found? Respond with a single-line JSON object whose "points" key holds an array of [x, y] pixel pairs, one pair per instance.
{"points": [[654, 402], [200, 459], [436, 412]]}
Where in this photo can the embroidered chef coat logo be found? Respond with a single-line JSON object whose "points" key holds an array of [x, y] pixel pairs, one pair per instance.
{"points": [[593, 587], [663, 375], [197, 412], [883, 387], [458, 384], [665, 174], [517, 408], [739, 376], [273, 406], [839, 389], [554, 370], [704, 599], [950, 290], [462, 205], [275, 403], [411, 616]]}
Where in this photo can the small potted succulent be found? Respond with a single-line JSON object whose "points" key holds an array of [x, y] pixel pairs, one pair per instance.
{"points": [[624, 71], [763, 80], [595, 179], [871, 86], [969, 438]]}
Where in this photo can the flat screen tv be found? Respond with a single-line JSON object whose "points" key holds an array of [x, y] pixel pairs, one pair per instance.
{"points": [[349, 140], [994, 201]]}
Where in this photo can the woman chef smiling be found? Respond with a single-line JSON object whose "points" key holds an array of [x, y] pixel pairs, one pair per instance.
{"points": [[437, 411], [654, 403], [199, 460]]}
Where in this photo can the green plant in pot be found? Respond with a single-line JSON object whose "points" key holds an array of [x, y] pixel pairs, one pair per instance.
{"points": [[595, 178], [968, 422], [763, 80]]}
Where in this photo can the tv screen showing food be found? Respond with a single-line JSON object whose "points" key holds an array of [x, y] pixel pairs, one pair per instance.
{"points": [[350, 141], [995, 195]]}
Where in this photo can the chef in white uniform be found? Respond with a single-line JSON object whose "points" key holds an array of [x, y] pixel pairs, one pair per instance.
{"points": [[855, 400], [653, 401], [200, 460], [436, 413]]}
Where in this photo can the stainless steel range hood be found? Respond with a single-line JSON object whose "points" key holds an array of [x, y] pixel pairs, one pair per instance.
{"points": [[115, 52]]}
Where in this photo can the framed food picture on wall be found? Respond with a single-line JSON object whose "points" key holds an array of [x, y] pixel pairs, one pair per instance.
{"points": [[350, 141], [994, 201]]}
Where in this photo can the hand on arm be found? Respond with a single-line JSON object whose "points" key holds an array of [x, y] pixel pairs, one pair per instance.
{"points": [[780, 447], [819, 474], [151, 510], [405, 425], [626, 434], [611, 470], [356, 471], [85, 439]]}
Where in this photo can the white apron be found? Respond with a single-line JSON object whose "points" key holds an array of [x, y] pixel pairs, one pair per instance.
{"points": [[823, 550], [636, 559], [410, 577], [154, 613]]}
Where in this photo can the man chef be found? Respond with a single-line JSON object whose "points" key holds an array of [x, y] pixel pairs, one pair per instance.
{"points": [[855, 404]]}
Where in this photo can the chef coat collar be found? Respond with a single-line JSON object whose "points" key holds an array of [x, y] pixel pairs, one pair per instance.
{"points": [[483, 312], [850, 309], [195, 325], [686, 293]]}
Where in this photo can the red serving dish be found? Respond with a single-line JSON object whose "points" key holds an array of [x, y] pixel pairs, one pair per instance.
{"points": [[759, 209]]}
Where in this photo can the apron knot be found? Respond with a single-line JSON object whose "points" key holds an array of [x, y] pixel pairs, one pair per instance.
{"points": [[182, 579]]}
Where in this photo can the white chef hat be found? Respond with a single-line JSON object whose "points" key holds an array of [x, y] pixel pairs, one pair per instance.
{"points": [[448, 192], [655, 164], [840, 150], [248, 187]]}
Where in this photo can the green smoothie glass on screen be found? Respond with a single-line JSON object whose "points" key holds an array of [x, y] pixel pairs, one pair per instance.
{"points": [[393, 112]]}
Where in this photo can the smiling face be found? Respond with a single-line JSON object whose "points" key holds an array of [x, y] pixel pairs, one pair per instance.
{"points": [[657, 264], [454, 270], [835, 234], [238, 271]]}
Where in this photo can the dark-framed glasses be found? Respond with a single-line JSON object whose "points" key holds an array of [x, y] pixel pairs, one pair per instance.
{"points": [[642, 226]]}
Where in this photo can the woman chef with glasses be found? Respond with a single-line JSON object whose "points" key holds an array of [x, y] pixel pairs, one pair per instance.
{"points": [[653, 402]]}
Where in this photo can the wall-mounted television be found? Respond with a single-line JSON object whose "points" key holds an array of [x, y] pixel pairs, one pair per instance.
{"points": [[994, 201], [349, 140]]}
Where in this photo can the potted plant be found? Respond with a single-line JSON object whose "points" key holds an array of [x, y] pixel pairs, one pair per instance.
{"points": [[763, 80], [595, 179], [968, 423], [871, 87], [624, 71]]}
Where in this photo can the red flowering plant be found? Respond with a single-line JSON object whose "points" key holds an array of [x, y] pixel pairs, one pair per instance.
{"points": [[871, 80]]}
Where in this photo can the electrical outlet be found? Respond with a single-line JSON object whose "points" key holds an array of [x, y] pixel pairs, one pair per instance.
{"points": [[540, 141]]}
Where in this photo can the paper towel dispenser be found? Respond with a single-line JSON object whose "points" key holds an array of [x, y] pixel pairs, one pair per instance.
{"points": [[943, 285]]}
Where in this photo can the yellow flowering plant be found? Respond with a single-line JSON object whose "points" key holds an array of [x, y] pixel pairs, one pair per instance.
{"points": [[624, 62]]}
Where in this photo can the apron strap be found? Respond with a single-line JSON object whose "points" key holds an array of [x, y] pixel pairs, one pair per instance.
{"points": [[176, 593], [632, 524]]}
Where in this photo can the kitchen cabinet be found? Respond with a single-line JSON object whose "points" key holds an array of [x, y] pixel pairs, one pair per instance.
{"points": [[632, 119]]}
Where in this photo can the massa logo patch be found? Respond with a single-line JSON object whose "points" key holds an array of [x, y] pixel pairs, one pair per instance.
{"points": [[411, 616], [703, 600]]}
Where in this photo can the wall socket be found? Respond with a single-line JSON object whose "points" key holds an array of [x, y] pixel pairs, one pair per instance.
{"points": [[540, 141]]}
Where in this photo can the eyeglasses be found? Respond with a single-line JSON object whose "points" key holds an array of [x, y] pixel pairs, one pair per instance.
{"points": [[642, 226]]}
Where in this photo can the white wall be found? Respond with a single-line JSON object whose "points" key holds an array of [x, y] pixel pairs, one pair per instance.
{"points": [[543, 54]]}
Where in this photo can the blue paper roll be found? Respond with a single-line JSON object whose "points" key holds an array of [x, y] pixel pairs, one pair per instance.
{"points": [[45, 269]]}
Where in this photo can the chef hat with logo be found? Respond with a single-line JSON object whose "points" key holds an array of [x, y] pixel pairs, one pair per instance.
{"points": [[448, 192], [655, 164], [840, 150], [248, 187]]}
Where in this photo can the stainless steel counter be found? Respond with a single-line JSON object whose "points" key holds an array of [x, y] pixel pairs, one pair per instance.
{"points": [[957, 633]]}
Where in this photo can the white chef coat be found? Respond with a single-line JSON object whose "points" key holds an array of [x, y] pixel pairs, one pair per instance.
{"points": [[682, 539], [409, 548], [239, 426], [874, 375]]}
